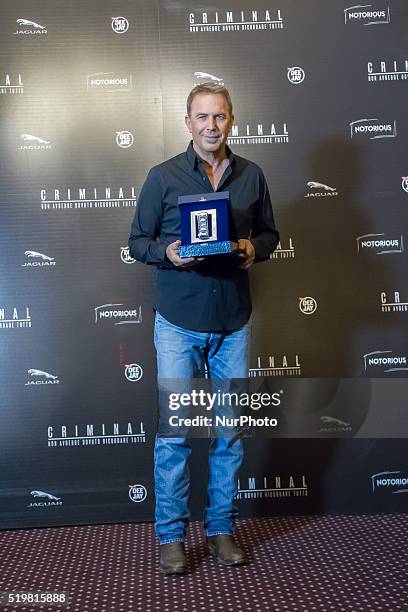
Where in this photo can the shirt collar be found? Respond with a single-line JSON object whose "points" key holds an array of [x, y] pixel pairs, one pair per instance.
{"points": [[193, 158]]}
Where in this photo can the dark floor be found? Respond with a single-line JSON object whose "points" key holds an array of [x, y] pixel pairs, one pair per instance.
{"points": [[299, 563]]}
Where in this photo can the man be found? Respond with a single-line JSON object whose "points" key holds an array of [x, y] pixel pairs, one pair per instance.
{"points": [[203, 310]]}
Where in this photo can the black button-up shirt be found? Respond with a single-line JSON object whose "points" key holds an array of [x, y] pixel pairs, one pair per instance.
{"points": [[213, 295]]}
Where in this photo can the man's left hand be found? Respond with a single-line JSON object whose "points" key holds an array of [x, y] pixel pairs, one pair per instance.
{"points": [[246, 253]]}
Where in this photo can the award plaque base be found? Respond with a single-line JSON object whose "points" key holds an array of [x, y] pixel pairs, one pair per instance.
{"points": [[205, 248]]}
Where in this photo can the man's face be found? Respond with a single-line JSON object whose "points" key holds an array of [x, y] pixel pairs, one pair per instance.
{"points": [[210, 122]]}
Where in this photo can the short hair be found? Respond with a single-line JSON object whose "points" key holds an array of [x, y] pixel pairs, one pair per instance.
{"points": [[208, 88]]}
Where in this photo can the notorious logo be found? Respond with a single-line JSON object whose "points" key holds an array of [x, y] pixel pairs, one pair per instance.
{"points": [[373, 129], [90, 434], [109, 81], [11, 86], [367, 14], [394, 70], [260, 133], [87, 198], [29, 28], [15, 318], [380, 244], [272, 486], [384, 361], [395, 304], [118, 313], [280, 253], [390, 481], [276, 366], [235, 21]]}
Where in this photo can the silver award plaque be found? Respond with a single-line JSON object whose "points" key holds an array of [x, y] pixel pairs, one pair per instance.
{"points": [[203, 225]]}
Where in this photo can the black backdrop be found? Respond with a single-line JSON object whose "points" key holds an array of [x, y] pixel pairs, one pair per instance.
{"points": [[92, 95]]}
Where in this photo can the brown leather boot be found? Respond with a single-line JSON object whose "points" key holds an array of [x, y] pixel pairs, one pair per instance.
{"points": [[225, 550], [173, 558]]}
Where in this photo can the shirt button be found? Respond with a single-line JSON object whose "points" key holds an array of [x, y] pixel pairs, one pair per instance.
{"points": [[214, 291], [203, 178]]}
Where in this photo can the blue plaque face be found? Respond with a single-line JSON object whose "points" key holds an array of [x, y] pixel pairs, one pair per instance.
{"points": [[204, 224]]}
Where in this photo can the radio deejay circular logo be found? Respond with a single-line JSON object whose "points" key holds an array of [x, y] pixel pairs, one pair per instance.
{"points": [[124, 139], [125, 257], [133, 372], [120, 25], [307, 305], [404, 183], [296, 75], [137, 493]]}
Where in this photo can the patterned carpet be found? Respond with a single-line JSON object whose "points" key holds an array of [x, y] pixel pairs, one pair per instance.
{"points": [[299, 564]]}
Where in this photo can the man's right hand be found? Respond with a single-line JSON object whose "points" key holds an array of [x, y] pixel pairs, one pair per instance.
{"points": [[172, 252]]}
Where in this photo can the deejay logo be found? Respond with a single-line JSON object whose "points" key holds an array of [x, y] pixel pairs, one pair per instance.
{"points": [[133, 372], [307, 305], [296, 75], [124, 139], [404, 183], [120, 25], [137, 493], [373, 129], [125, 257], [367, 14]]}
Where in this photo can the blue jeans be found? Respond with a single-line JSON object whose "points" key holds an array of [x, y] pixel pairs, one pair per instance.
{"points": [[181, 354]]}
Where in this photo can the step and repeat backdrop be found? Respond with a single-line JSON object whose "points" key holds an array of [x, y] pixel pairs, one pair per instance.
{"points": [[92, 95]]}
